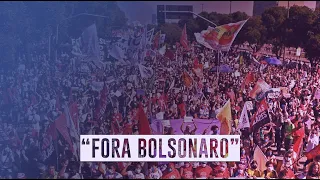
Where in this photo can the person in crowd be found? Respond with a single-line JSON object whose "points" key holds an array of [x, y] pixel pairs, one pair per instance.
{"points": [[270, 173], [187, 130], [186, 171], [203, 171], [253, 171], [314, 171]]}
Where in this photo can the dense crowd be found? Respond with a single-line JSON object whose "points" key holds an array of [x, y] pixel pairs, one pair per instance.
{"points": [[38, 92]]}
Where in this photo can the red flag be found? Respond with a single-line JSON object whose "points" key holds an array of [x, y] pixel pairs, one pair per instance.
{"points": [[187, 79], [183, 38], [61, 124], [143, 123], [169, 54], [313, 153], [248, 79], [298, 140], [156, 40], [74, 113]]}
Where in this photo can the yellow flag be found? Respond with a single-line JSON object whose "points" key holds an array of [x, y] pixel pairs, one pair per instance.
{"points": [[260, 158], [225, 118], [241, 59]]}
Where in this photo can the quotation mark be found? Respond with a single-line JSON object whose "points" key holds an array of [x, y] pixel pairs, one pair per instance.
{"points": [[85, 142], [234, 141]]}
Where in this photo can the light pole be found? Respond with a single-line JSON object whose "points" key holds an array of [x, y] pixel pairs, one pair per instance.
{"points": [[193, 14], [81, 14]]}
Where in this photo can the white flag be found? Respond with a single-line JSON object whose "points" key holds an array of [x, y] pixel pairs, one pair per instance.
{"points": [[244, 119], [162, 50], [172, 84], [145, 72], [162, 38], [119, 49], [149, 36]]}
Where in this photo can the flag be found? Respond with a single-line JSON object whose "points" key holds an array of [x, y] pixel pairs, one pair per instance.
{"points": [[162, 38], [162, 50], [244, 119], [188, 81], [143, 123], [71, 117], [119, 49], [145, 72], [298, 139], [198, 70], [172, 84], [261, 159], [225, 117], [220, 37], [313, 153], [247, 80], [261, 117], [169, 54], [260, 87], [62, 127], [241, 60], [149, 36], [184, 38], [255, 60], [156, 40]]}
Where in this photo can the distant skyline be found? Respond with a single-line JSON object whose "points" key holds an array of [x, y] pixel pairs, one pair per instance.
{"points": [[142, 10]]}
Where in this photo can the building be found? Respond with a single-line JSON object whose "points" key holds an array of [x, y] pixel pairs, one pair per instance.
{"points": [[260, 6], [154, 19], [309, 4], [173, 13]]}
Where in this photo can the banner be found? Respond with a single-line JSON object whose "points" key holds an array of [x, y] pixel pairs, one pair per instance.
{"points": [[220, 37], [274, 93], [244, 119], [261, 117], [158, 126]]}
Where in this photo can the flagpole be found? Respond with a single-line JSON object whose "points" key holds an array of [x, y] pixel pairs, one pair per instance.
{"points": [[218, 67]]}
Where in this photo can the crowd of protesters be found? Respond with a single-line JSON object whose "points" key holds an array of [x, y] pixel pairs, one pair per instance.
{"points": [[37, 91]]}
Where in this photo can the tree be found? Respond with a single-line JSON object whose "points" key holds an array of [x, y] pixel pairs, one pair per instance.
{"points": [[274, 21], [312, 48], [26, 23], [172, 31], [300, 21], [252, 32], [192, 27]]}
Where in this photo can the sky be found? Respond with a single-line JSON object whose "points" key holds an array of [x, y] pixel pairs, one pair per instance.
{"points": [[142, 10]]}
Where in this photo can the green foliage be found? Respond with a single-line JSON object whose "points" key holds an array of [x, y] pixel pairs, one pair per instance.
{"points": [[172, 31], [25, 23]]}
